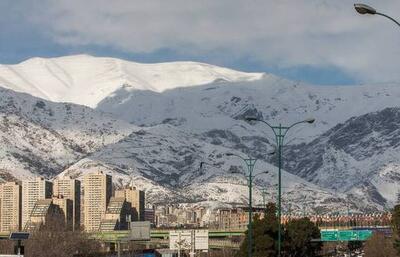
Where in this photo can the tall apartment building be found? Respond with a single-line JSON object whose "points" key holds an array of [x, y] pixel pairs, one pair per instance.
{"points": [[97, 193], [10, 207], [44, 211], [67, 208], [135, 198], [32, 191], [118, 215], [69, 188]]}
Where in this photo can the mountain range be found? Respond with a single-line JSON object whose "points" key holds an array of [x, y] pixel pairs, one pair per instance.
{"points": [[154, 123]]}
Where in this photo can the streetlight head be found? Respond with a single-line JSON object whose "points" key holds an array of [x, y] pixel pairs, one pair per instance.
{"points": [[310, 120], [364, 9]]}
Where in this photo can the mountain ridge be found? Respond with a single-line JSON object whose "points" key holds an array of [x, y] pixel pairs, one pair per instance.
{"points": [[86, 80]]}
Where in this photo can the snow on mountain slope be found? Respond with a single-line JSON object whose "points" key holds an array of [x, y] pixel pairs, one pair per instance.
{"points": [[83, 126], [86, 80], [216, 112], [28, 149], [276, 100], [359, 157], [39, 137], [42, 138], [166, 163]]}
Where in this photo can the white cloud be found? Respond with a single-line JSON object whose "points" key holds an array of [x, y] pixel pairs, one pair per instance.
{"points": [[279, 32]]}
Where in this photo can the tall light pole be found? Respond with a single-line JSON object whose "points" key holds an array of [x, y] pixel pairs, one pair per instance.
{"points": [[280, 133], [366, 9], [250, 163]]}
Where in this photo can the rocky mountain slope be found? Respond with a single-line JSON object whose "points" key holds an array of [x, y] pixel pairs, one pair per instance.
{"points": [[359, 156], [39, 137], [190, 112]]}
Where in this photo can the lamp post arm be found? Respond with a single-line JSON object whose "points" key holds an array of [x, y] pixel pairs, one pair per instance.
{"points": [[387, 16], [269, 125], [236, 155], [291, 126]]}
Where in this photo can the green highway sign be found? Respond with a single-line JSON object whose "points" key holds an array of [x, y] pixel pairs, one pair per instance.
{"points": [[345, 235], [364, 234], [329, 235], [348, 235]]}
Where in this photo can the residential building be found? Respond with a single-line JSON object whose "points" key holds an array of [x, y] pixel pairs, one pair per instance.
{"points": [[10, 207], [42, 212], [32, 191], [69, 188], [136, 199], [237, 218], [67, 208], [118, 215], [97, 188]]}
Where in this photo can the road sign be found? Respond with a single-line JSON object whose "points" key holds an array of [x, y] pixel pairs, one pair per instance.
{"points": [[140, 230], [188, 240], [201, 239], [329, 235], [345, 235], [180, 240], [364, 234]]}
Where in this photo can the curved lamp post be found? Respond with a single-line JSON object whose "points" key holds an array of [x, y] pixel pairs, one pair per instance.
{"points": [[280, 133], [366, 9], [250, 162]]}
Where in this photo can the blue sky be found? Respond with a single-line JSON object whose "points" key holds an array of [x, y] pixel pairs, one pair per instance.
{"points": [[316, 41]]}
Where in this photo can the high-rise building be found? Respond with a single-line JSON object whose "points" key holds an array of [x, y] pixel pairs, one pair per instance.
{"points": [[135, 198], [32, 191], [45, 211], [10, 207], [97, 193], [67, 208], [118, 215], [69, 188]]}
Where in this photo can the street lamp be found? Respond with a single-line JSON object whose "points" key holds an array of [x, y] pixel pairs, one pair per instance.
{"points": [[366, 9], [280, 133], [250, 162]]}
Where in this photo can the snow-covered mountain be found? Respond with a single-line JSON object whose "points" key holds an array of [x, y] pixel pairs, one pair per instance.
{"points": [[359, 156], [191, 112], [166, 163], [42, 138], [87, 80], [39, 137]]}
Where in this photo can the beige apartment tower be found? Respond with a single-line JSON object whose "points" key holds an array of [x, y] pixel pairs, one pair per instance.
{"points": [[10, 207], [66, 207], [32, 191], [136, 199], [97, 193], [69, 188]]}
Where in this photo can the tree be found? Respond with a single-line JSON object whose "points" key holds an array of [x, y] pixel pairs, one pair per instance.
{"points": [[53, 239], [265, 234], [396, 227], [298, 236], [354, 245]]}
